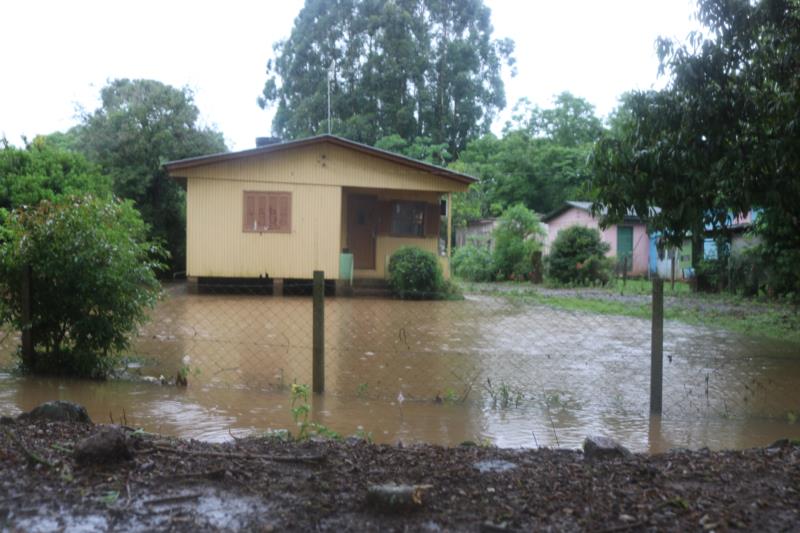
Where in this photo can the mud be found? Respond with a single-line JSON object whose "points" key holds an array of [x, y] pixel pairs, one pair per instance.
{"points": [[263, 484]]}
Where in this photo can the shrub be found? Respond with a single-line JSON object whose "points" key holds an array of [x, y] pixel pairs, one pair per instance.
{"points": [[516, 239], [415, 274], [578, 256], [92, 280], [473, 263]]}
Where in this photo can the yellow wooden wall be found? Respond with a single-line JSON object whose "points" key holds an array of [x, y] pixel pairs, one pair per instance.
{"points": [[315, 175], [217, 247], [323, 164]]}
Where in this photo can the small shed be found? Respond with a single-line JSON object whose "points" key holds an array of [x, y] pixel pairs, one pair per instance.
{"points": [[284, 210], [626, 240], [478, 233]]}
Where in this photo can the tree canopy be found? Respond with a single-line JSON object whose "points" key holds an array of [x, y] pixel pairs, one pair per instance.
{"points": [[414, 68], [43, 171], [723, 136], [139, 125], [541, 159]]}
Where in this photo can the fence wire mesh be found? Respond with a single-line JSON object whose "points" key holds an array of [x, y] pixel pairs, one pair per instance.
{"points": [[505, 351], [485, 350]]}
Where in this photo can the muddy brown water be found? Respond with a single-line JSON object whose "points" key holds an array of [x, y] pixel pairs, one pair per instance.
{"points": [[487, 369]]}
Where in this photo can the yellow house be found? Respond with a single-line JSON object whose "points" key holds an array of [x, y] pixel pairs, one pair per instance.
{"points": [[284, 210]]}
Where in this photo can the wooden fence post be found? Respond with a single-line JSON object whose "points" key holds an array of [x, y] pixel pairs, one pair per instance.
{"points": [[624, 274], [673, 272], [28, 355], [657, 347], [318, 315]]}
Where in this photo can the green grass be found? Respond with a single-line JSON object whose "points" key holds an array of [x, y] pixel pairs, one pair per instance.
{"points": [[773, 320]]}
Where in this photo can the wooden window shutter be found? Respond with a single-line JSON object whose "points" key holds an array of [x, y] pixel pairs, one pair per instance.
{"points": [[283, 204], [384, 218], [249, 217], [432, 219], [261, 214], [266, 211], [272, 207]]}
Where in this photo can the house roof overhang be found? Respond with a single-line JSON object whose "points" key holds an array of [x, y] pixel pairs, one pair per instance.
{"points": [[174, 167]]}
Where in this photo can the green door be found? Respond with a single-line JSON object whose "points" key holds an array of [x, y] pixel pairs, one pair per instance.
{"points": [[625, 246]]}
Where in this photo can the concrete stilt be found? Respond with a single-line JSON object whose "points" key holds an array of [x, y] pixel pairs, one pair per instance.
{"points": [[277, 287]]}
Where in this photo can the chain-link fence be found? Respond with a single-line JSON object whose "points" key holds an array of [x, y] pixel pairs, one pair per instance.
{"points": [[484, 350], [491, 350]]}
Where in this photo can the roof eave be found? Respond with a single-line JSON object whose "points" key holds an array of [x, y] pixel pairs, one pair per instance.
{"points": [[177, 165]]}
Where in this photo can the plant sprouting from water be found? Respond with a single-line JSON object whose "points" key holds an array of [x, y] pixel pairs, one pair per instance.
{"points": [[504, 395], [301, 409], [362, 390]]}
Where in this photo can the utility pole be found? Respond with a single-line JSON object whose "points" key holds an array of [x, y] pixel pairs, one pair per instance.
{"points": [[330, 79]]}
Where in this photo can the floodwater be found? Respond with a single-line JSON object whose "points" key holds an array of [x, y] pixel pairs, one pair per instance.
{"points": [[487, 369]]}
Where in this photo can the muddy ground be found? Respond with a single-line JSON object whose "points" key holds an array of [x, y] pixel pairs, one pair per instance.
{"points": [[265, 484]]}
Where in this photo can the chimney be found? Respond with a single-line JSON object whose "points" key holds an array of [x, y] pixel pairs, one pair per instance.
{"points": [[266, 141]]}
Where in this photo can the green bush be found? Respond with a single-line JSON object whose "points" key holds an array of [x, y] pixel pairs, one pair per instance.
{"points": [[516, 238], [92, 280], [415, 274], [578, 256], [473, 263]]}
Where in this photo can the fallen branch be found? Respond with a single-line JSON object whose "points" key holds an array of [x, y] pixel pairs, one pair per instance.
{"points": [[32, 456], [174, 499], [210, 474], [234, 455]]}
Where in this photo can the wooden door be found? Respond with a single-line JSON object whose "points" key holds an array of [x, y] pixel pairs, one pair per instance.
{"points": [[625, 246], [362, 230]]}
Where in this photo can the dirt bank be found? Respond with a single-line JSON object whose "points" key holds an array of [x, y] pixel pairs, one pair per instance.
{"points": [[271, 485]]}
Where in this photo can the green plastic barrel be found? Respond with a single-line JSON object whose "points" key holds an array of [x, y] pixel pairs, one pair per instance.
{"points": [[346, 266]]}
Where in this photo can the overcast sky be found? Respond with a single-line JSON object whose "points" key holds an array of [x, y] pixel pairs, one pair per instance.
{"points": [[58, 55]]}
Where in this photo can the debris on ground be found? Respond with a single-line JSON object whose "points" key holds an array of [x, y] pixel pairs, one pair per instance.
{"points": [[268, 484]]}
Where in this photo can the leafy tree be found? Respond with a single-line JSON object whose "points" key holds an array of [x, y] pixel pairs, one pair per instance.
{"points": [[415, 68], [522, 168], [578, 256], [140, 125], [571, 122], [92, 278], [516, 237], [722, 137], [41, 171], [421, 149]]}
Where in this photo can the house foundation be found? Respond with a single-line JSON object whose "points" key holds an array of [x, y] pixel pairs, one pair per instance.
{"points": [[193, 285], [277, 287]]}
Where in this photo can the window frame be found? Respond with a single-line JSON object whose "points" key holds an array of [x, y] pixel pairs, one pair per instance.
{"points": [[419, 204], [268, 195]]}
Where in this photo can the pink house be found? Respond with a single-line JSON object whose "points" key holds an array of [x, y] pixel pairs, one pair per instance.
{"points": [[626, 239]]}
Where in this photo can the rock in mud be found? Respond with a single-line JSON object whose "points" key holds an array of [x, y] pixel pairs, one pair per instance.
{"points": [[109, 444], [494, 465], [599, 447], [392, 497], [58, 411]]}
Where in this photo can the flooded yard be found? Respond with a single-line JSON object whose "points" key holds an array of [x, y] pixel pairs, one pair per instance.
{"points": [[487, 369]]}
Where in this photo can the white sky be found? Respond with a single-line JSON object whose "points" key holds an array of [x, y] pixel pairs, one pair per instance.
{"points": [[58, 55]]}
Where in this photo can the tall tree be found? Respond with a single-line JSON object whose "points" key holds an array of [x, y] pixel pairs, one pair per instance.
{"points": [[570, 123], [541, 160], [723, 136], [414, 68], [139, 125]]}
